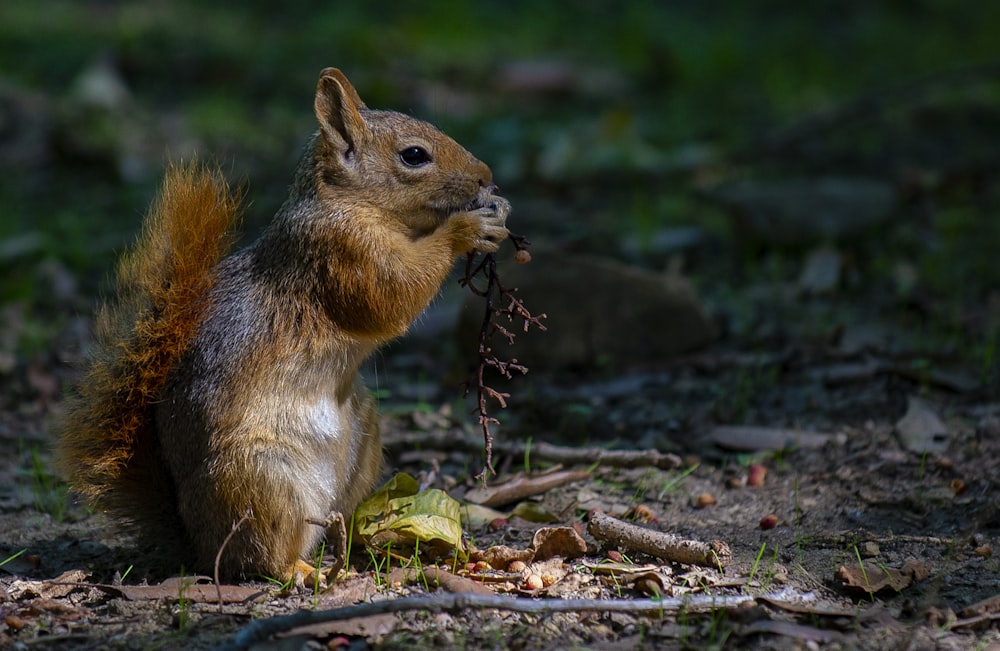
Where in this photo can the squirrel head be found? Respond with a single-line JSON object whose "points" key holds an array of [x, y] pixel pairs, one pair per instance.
{"points": [[401, 164]]}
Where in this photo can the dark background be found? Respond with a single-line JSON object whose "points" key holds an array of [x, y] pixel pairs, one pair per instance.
{"points": [[615, 128]]}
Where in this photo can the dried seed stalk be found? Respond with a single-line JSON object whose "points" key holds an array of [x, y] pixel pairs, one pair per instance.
{"points": [[500, 303]]}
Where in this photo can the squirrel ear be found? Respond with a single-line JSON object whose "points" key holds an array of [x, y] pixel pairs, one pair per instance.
{"points": [[337, 109]]}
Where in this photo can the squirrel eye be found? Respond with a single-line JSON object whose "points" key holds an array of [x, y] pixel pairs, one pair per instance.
{"points": [[415, 156]]}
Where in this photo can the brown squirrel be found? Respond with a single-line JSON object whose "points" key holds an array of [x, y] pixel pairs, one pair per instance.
{"points": [[224, 386]]}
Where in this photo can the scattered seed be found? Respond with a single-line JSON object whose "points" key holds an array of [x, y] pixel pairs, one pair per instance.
{"points": [[769, 522], [533, 582], [703, 500], [757, 475]]}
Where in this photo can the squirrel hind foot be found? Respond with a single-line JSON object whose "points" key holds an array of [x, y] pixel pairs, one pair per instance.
{"points": [[305, 576]]}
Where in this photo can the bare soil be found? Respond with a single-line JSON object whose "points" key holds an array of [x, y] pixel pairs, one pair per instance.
{"points": [[849, 505]]}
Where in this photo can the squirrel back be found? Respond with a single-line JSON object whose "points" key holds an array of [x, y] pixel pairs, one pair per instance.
{"points": [[107, 448]]}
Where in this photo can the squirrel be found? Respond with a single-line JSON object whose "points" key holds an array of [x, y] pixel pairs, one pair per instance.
{"points": [[222, 397]]}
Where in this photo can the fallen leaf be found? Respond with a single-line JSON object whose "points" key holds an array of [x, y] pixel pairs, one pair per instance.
{"points": [[55, 588], [477, 515], [500, 556], [402, 515], [871, 578], [533, 512], [196, 593], [564, 542]]}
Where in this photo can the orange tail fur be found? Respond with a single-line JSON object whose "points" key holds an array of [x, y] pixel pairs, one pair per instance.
{"points": [[107, 448]]}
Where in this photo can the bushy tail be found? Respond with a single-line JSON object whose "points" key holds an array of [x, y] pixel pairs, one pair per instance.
{"points": [[107, 448]]}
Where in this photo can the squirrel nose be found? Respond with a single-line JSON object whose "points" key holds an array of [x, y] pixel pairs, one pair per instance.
{"points": [[483, 172]]}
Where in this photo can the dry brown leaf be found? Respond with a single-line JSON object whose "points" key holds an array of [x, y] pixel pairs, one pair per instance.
{"points": [[500, 556], [55, 588], [563, 542], [873, 578], [197, 593]]}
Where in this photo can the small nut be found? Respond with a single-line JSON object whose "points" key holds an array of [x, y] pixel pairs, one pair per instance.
{"points": [[517, 567], [736, 482], [757, 475], [533, 582], [522, 257], [769, 522], [703, 500]]}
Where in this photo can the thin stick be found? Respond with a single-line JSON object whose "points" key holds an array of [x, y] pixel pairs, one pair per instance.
{"points": [[540, 451], [218, 556], [656, 543], [262, 629], [494, 291]]}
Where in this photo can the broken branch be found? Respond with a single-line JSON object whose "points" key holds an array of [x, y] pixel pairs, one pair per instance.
{"points": [[667, 546]]}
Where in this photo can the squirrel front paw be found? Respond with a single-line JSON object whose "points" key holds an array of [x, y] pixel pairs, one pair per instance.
{"points": [[491, 220]]}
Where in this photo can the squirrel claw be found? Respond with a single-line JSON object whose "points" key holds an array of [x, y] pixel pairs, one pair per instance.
{"points": [[303, 576]]}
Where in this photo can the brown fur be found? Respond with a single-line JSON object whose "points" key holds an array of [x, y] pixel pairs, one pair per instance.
{"points": [[234, 383]]}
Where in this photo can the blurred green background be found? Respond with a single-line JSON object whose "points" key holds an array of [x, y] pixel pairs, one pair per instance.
{"points": [[611, 125]]}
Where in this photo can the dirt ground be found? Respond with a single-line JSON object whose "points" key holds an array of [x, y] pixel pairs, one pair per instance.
{"points": [[851, 539]]}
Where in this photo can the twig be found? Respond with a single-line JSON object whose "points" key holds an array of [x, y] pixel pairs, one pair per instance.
{"points": [[616, 458], [656, 543], [493, 292], [248, 514], [262, 629], [540, 451]]}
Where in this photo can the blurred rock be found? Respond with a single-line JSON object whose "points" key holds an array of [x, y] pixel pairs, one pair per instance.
{"points": [[600, 313], [821, 273], [921, 429], [807, 211]]}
